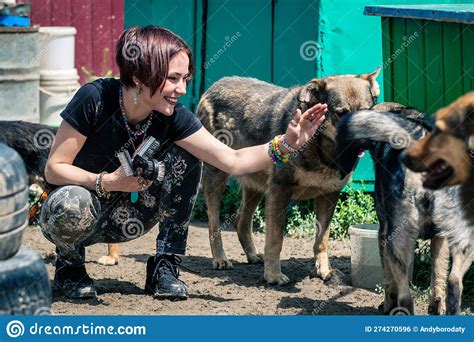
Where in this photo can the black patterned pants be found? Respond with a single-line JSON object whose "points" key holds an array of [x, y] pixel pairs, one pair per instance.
{"points": [[73, 217]]}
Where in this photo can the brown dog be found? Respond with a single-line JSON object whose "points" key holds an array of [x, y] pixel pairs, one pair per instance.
{"points": [[244, 112], [445, 156]]}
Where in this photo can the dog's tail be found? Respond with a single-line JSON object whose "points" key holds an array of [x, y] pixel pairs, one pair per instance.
{"points": [[363, 130]]}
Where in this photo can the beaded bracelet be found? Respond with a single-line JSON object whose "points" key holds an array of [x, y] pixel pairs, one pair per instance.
{"points": [[99, 187], [275, 153], [287, 146]]}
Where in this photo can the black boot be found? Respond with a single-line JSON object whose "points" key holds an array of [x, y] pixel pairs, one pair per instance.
{"points": [[162, 278], [74, 281]]}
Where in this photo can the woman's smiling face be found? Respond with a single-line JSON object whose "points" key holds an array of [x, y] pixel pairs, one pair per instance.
{"points": [[174, 86]]}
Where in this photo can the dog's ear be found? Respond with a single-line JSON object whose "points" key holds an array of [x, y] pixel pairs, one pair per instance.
{"points": [[311, 88], [371, 77]]}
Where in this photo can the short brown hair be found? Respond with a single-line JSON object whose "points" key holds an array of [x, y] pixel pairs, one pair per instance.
{"points": [[145, 52]]}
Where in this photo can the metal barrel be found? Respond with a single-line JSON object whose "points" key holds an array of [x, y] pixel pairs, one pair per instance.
{"points": [[19, 74]]}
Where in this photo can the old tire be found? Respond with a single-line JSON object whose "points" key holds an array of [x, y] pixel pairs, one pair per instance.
{"points": [[14, 202], [13, 177], [13, 220], [25, 288], [10, 242]]}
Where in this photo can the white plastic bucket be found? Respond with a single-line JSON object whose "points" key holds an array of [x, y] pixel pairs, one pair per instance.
{"points": [[57, 87], [366, 267], [56, 49]]}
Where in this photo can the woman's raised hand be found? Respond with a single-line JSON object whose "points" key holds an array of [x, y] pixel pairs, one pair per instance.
{"points": [[303, 126]]}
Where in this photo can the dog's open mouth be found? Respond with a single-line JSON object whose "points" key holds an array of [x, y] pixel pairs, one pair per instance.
{"points": [[437, 175]]}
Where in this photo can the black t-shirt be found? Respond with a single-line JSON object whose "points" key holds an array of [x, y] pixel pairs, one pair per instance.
{"points": [[95, 112]]}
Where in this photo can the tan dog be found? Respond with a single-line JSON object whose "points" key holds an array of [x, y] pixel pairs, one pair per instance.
{"points": [[445, 156], [112, 257], [246, 112]]}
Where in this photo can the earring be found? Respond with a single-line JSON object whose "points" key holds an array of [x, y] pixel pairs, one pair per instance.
{"points": [[135, 95]]}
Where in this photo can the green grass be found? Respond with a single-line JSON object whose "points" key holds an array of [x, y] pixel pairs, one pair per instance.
{"points": [[353, 207]]}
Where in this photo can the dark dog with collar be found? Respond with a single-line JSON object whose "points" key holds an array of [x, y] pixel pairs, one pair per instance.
{"points": [[33, 142], [406, 210]]}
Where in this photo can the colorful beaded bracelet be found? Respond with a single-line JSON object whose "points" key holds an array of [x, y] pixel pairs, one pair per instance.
{"points": [[275, 153]]}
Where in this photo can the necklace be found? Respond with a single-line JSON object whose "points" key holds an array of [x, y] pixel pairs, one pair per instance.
{"points": [[140, 130], [136, 133]]}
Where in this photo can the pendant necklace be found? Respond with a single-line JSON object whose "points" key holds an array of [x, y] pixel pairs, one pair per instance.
{"points": [[134, 134]]}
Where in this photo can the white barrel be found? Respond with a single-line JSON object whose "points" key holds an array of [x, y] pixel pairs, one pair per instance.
{"points": [[57, 47], [57, 87]]}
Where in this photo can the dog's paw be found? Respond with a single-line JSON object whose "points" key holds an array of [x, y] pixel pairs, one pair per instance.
{"points": [[322, 272], [336, 277], [437, 306], [325, 274], [222, 264], [107, 260], [278, 279], [255, 258]]}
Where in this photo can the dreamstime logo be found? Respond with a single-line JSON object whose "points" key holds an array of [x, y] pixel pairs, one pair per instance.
{"points": [[43, 139], [319, 308], [131, 51], [227, 222], [229, 41], [309, 50], [392, 235], [399, 311], [224, 136], [133, 228], [15, 329], [44, 311], [407, 41], [399, 140]]}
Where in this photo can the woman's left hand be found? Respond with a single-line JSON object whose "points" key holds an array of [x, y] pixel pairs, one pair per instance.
{"points": [[303, 126]]}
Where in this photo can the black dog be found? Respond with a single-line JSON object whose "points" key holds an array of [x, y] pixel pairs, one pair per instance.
{"points": [[406, 210], [33, 142]]}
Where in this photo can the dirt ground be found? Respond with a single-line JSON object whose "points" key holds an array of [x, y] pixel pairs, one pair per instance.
{"points": [[241, 291]]}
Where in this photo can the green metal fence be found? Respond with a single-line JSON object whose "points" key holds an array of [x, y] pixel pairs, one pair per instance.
{"points": [[431, 53]]}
